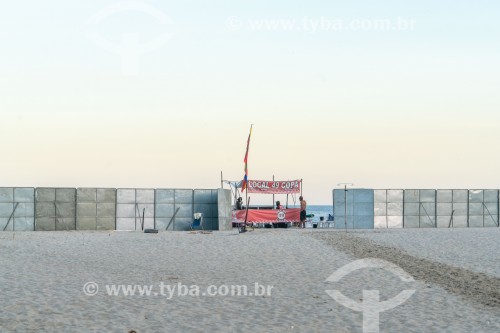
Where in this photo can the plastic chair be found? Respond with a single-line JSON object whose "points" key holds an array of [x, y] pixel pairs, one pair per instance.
{"points": [[197, 221], [326, 224]]}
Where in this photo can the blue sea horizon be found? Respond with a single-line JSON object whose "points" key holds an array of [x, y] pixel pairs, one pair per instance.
{"points": [[318, 211]]}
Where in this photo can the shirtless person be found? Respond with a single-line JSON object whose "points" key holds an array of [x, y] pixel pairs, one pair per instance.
{"points": [[303, 206]]}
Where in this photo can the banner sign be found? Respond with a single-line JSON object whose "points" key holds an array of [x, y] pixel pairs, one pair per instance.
{"points": [[267, 215], [274, 187]]}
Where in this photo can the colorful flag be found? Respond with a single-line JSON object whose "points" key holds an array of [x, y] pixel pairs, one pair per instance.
{"points": [[245, 178]]}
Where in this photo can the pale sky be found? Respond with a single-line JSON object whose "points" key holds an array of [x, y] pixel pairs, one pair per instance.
{"points": [[332, 98]]}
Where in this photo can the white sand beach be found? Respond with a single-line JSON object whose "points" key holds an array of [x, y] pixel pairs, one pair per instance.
{"points": [[42, 276]]}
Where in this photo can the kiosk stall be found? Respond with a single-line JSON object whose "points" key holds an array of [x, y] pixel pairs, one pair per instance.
{"points": [[283, 216]]}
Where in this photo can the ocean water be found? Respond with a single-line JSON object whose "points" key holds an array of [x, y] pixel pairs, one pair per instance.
{"points": [[317, 210]]}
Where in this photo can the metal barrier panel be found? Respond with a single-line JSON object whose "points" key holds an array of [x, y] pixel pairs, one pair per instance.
{"points": [[476, 212], [174, 208], [395, 208], [360, 209], [380, 209], [164, 209], [106, 209], [126, 215], [205, 201], [491, 201], [363, 209], [224, 214], [95, 209], [460, 208], [132, 205], [145, 200], [427, 209], [444, 208], [411, 208], [183, 201], [340, 210], [419, 208], [17, 209], [6, 208], [55, 209], [388, 208]]}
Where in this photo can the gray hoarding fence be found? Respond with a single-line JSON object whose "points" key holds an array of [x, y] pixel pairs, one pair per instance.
{"points": [[17, 209], [359, 208], [48, 209], [429, 208], [130, 205], [419, 208], [388, 208], [95, 208], [175, 208], [55, 209], [225, 211]]}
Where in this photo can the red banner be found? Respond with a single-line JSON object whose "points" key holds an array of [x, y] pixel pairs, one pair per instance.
{"points": [[267, 215], [274, 187]]}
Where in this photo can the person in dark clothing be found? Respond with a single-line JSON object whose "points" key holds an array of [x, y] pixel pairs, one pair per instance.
{"points": [[239, 204]]}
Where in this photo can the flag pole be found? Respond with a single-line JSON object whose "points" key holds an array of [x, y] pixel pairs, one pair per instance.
{"points": [[245, 178], [246, 197], [273, 192]]}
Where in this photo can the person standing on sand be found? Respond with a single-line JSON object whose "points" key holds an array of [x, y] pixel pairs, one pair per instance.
{"points": [[303, 206]]}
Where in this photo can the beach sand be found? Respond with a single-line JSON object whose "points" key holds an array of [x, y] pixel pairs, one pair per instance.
{"points": [[42, 276]]}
